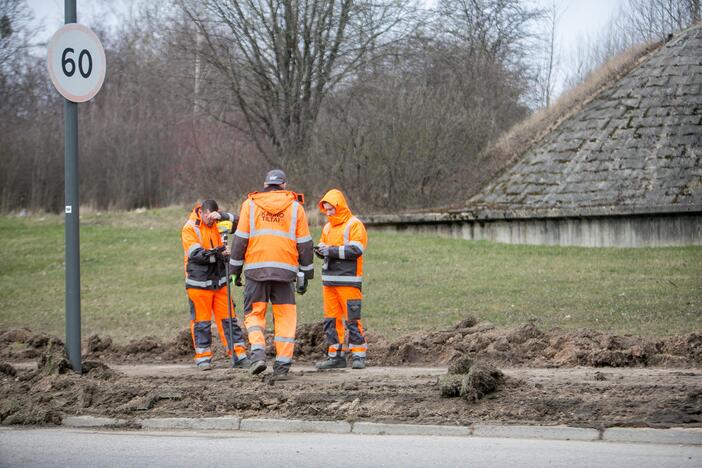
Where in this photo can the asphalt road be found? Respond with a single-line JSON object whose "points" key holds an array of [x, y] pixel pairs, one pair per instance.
{"points": [[71, 447]]}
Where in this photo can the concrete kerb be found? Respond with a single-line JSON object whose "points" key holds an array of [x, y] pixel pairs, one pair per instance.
{"points": [[683, 436], [674, 435], [92, 422], [537, 432], [223, 423], [409, 429], [295, 425]]}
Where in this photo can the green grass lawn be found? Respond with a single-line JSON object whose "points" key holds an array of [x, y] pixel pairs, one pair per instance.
{"points": [[132, 281]]}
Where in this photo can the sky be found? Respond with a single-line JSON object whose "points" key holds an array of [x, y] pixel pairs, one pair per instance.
{"points": [[578, 19]]}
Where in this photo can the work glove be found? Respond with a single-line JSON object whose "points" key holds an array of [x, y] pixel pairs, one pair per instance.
{"points": [[302, 288], [321, 251], [237, 280]]}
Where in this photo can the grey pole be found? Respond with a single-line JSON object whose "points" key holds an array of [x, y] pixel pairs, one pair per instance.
{"points": [[72, 226]]}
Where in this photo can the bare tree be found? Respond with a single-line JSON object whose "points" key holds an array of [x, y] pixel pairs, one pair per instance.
{"points": [[280, 59], [546, 74]]}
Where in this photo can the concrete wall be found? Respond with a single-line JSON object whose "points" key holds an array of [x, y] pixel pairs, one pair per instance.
{"points": [[601, 231]]}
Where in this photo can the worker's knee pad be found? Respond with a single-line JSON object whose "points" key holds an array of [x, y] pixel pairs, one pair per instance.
{"points": [[353, 309]]}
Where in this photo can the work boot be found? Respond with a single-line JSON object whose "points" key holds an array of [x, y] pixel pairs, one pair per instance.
{"points": [[358, 363], [257, 367], [277, 377], [332, 363], [204, 365], [243, 363]]}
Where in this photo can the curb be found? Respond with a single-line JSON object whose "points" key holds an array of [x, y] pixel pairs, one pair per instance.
{"points": [[537, 432], [295, 425], [409, 429], [224, 423], [676, 436], [93, 421]]}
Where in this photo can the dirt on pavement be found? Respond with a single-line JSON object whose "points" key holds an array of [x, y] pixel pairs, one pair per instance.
{"points": [[520, 375]]}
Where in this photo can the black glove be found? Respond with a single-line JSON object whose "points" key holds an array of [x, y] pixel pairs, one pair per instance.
{"points": [[302, 288], [237, 280], [321, 251]]}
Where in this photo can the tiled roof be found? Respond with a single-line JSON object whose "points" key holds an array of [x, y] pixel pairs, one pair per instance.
{"points": [[637, 144]]}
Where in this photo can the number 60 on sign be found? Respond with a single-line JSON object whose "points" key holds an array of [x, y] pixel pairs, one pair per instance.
{"points": [[76, 62]]}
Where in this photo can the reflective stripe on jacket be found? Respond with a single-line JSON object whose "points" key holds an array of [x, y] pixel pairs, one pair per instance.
{"points": [[346, 235], [202, 269], [272, 241]]}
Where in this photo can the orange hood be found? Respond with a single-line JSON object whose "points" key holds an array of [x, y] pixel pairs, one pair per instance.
{"points": [[336, 199], [196, 214], [275, 201]]}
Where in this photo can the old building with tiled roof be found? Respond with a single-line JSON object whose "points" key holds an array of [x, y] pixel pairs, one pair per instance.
{"points": [[626, 169]]}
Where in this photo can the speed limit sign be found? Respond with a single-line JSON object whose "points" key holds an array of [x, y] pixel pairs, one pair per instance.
{"points": [[76, 62]]}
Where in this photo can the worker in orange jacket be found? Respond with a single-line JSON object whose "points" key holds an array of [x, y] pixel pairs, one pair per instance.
{"points": [[205, 260], [273, 248], [341, 245]]}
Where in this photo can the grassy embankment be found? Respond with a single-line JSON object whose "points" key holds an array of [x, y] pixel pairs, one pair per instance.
{"points": [[132, 281]]}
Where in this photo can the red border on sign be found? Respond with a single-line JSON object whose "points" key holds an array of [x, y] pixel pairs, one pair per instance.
{"points": [[54, 79]]}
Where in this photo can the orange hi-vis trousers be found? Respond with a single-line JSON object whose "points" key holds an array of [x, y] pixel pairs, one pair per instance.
{"points": [[281, 295], [342, 312], [204, 303]]}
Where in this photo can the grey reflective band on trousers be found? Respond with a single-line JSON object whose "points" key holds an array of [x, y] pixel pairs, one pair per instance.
{"points": [[202, 350], [342, 253], [281, 265], [254, 328], [257, 346], [343, 279], [306, 267], [290, 234], [284, 360], [193, 248], [233, 262], [282, 339], [302, 239]]}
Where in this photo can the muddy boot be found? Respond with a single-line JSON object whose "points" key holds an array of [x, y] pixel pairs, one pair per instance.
{"points": [[257, 367], [358, 363], [332, 363], [277, 377], [204, 365], [243, 363]]}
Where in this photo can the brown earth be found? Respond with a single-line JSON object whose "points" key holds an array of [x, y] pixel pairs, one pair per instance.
{"points": [[627, 381]]}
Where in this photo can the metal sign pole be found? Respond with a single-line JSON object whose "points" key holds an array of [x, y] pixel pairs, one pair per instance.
{"points": [[72, 220]]}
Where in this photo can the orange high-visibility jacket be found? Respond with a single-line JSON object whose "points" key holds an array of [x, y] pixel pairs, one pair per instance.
{"points": [[347, 238], [272, 241], [203, 268]]}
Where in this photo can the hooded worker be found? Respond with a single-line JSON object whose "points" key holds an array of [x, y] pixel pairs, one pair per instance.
{"points": [[205, 260], [273, 249], [341, 245]]}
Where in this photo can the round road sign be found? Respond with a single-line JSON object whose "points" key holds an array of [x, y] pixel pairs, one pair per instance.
{"points": [[76, 62]]}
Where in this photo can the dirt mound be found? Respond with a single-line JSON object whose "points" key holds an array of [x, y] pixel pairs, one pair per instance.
{"points": [[528, 346], [481, 380], [524, 345], [469, 379]]}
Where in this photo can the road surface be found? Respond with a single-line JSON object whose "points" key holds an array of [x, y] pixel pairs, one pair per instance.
{"points": [[46, 447]]}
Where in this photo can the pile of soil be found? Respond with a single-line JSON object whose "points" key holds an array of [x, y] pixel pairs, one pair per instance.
{"points": [[628, 381], [525, 345], [528, 346], [470, 380]]}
